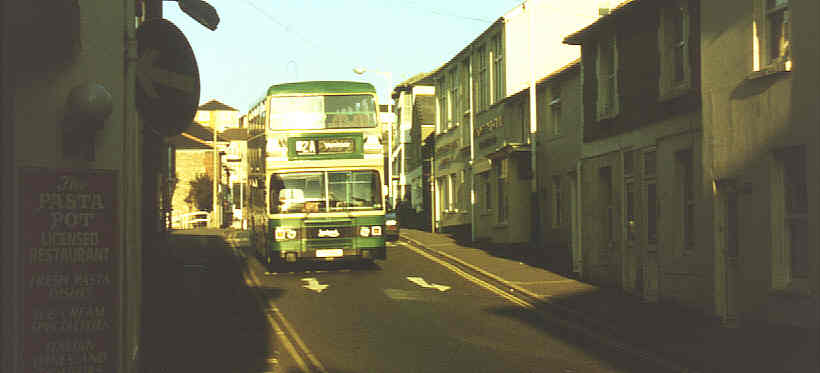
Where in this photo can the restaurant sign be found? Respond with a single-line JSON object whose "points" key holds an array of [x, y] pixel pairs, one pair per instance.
{"points": [[70, 257]]}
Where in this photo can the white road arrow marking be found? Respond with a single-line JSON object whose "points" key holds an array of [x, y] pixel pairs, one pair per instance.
{"points": [[314, 285], [420, 282], [148, 74]]}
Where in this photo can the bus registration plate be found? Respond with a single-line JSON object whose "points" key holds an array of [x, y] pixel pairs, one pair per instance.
{"points": [[329, 253]]}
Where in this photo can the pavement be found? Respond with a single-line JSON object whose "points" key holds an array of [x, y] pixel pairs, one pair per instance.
{"points": [[198, 314], [667, 333]]}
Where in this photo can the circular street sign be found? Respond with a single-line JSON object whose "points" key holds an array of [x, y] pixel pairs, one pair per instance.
{"points": [[167, 78]]}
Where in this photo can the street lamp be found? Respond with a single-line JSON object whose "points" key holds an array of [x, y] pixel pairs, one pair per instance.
{"points": [[389, 77]]}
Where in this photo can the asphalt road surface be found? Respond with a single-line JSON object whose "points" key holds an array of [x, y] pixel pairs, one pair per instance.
{"points": [[406, 314]]}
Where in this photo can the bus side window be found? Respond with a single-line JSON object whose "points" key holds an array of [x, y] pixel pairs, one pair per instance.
{"points": [[276, 185]]}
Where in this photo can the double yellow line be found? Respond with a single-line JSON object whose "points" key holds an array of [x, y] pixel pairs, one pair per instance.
{"points": [[282, 328], [473, 279]]}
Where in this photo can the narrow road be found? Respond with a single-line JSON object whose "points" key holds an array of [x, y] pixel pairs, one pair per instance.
{"points": [[407, 314]]}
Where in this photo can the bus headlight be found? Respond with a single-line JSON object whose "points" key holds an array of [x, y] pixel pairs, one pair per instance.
{"points": [[376, 230], [364, 231], [285, 233]]}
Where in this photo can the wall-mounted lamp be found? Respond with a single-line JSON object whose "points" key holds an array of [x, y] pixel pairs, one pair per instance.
{"points": [[731, 186], [89, 106]]}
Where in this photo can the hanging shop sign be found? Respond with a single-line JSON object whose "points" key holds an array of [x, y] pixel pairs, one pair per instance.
{"points": [[70, 246]]}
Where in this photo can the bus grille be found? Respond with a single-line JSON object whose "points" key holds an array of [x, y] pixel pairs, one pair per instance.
{"points": [[336, 234]]}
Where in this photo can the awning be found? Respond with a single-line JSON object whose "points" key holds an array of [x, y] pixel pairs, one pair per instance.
{"points": [[507, 150], [482, 165]]}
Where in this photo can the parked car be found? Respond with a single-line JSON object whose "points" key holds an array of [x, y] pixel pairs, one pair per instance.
{"points": [[391, 226]]}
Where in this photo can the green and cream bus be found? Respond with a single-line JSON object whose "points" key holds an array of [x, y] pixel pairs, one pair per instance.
{"points": [[316, 170]]}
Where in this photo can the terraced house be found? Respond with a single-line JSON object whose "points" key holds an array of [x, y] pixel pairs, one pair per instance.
{"points": [[695, 173], [484, 180], [641, 155], [416, 114], [761, 122]]}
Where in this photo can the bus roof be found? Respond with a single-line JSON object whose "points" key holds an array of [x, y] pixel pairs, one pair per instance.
{"points": [[319, 87]]}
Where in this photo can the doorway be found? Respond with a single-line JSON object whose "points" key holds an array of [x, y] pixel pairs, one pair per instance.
{"points": [[727, 237]]}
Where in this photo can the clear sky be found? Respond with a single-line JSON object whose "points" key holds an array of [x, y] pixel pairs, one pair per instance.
{"points": [[264, 42]]}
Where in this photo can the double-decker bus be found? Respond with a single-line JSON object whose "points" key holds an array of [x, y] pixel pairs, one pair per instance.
{"points": [[316, 167]]}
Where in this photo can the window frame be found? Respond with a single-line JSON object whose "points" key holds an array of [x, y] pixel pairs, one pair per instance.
{"points": [[488, 191], [762, 63], [607, 193], [497, 61], [768, 13], [450, 188], [464, 82], [668, 86], [557, 212], [452, 99], [783, 276], [653, 210], [501, 197], [611, 107], [441, 105], [481, 82], [685, 163], [555, 110]]}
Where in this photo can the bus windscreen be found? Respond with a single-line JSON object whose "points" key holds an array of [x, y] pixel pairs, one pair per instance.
{"points": [[321, 112], [326, 191]]}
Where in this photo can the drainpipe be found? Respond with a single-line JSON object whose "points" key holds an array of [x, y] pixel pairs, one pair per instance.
{"points": [[535, 207], [472, 152], [578, 262], [623, 224], [131, 187]]}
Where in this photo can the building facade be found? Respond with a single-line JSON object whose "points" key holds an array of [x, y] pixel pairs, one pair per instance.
{"points": [[698, 131], [236, 181], [463, 87], [193, 157], [215, 114], [760, 119], [71, 54], [415, 110], [559, 142], [484, 134], [642, 192], [73, 126]]}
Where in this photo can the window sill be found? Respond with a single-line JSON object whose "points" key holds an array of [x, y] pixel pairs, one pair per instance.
{"points": [[454, 212], [671, 93], [554, 137], [797, 288], [600, 117], [768, 70]]}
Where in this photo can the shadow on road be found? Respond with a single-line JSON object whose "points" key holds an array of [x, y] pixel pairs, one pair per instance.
{"points": [[556, 260], [198, 313], [673, 334], [319, 266]]}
